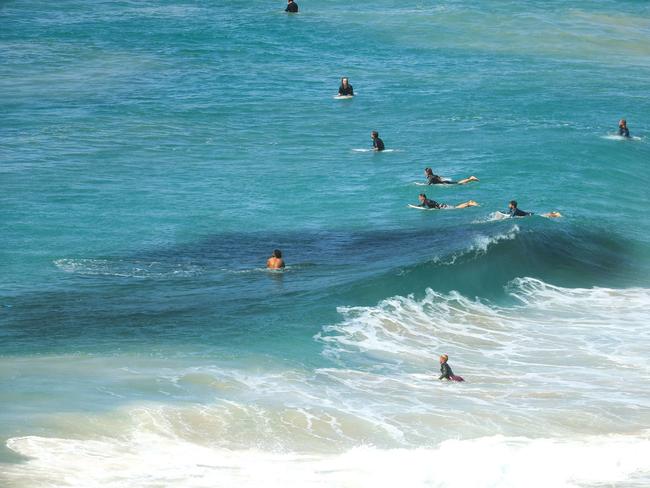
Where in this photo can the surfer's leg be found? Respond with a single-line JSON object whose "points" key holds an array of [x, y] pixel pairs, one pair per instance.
{"points": [[470, 203], [467, 180]]}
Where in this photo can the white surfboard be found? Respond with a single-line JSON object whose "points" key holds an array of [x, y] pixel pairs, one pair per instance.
{"points": [[343, 97], [616, 137], [420, 208], [441, 185]]}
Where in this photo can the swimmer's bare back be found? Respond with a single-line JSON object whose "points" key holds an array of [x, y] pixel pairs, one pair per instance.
{"points": [[275, 263]]}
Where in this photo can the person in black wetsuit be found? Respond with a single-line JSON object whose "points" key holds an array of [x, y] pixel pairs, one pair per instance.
{"points": [[377, 143], [345, 90], [437, 180], [622, 128], [292, 7], [513, 211], [445, 370], [428, 203]]}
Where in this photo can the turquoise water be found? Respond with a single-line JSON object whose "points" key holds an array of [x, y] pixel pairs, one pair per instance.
{"points": [[154, 153]]}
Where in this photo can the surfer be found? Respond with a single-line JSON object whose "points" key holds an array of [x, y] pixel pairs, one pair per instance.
{"points": [[445, 370], [292, 7], [345, 90], [514, 211], [622, 128], [428, 203], [377, 143], [275, 261], [437, 180]]}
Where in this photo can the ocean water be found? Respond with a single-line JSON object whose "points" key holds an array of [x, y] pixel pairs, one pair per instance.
{"points": [[153, 154]]}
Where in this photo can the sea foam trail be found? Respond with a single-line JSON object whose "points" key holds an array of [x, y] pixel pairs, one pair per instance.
{"points": [[127, 269], [147, 460]]}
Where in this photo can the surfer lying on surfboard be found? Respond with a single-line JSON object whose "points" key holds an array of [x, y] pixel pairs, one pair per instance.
{"points": [[513, 211], [432, 204], [437, 180], [445, 370]]}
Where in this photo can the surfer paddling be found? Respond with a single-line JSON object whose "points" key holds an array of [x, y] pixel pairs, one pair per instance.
{"points": [[514, 211], [437, 180], [432, 204], [445, 370]]}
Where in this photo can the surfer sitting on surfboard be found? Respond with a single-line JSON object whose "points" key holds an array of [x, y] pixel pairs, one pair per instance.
{"points": [[622, 128], [275, 261], [377, 143], [445, 370], [437, 180], [427, 203], [345, 90], [513, 211], [292, 7]]}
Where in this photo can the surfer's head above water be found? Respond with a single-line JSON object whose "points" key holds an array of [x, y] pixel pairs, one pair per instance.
{"points": [[428, 172]]}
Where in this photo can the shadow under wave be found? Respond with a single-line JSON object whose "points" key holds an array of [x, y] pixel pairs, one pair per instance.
{"points": [[218, 304]]}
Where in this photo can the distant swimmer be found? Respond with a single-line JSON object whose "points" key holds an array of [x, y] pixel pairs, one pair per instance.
{"points": [[345, 90], [275, 261], [445, 370], [514, 211], [437, 180], [432, 204], [377, 143], [622, 128], [292, 7]]}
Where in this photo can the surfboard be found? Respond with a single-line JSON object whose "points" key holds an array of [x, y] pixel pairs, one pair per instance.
{"points": [[616, 137], [500, 216], [373, 151], [421, 208], [343, 97], [440, 185]]}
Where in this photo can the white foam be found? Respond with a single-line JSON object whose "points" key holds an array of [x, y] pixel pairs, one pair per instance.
{"points": [[126, 269], [480, 245], [592, 326], [147, 460]]}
